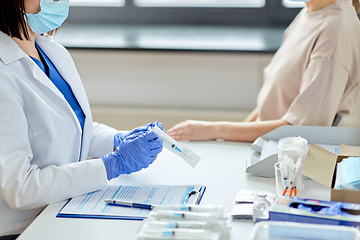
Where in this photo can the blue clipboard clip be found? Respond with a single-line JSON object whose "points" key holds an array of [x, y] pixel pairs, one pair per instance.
{"points": [[197, 194]]}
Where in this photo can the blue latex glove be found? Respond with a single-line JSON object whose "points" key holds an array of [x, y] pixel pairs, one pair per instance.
{"points": [[333, 210], [120, 136], [135, 151]]}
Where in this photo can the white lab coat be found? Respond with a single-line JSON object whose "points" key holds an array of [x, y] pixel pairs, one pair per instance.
{"points": [[42, 156]]}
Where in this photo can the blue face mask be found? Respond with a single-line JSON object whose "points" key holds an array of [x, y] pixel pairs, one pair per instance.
{"points": [[52, 14]]}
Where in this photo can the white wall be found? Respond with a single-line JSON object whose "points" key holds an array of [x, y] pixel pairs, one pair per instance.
{"points": [[127, 89], [131, 88]]}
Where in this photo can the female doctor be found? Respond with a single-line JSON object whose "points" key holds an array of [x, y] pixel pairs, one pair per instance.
{"points": [[47, 132], [313, 76]]}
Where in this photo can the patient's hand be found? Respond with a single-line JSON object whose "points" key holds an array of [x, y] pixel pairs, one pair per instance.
{"points": [[193, 130]]}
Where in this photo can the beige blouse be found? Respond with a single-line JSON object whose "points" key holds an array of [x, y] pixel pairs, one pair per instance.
{"points": [[316, 71]]}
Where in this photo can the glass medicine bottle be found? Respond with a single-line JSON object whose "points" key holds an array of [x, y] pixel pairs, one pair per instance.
{"points": [[261, 207]]}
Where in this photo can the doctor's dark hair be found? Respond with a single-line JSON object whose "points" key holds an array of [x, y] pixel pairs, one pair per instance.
{"points": [[12, 21]]}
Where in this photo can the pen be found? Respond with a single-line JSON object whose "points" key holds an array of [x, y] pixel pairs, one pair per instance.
{"points": [[128, 204]]}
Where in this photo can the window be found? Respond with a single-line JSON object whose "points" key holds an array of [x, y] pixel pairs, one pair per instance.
{"points": [[292, 4], [172, 3], [103, 3], [184, 12], [200, 3]]}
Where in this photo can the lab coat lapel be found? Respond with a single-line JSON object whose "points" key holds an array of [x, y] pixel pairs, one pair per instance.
{"points": [[65, 66], [10, 52], [63, 62], [41, 77]]}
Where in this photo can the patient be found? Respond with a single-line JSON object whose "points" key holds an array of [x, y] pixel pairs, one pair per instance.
{"points": [[313, 76]]}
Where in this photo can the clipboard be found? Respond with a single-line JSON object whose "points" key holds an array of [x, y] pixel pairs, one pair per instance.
{"points": [[92, 205]]}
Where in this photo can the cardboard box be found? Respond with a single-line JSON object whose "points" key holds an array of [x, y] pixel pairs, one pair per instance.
{"points": [[264, 165], [287, 209], [320, 165]]}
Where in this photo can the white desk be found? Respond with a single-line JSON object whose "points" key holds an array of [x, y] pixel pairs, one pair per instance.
{"points": [[221, 169]]}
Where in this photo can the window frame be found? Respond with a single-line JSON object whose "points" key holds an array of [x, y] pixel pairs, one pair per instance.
{"points": [[272, 14]]}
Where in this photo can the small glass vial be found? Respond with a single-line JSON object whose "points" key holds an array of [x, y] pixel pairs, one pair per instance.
{"points": [[261, 207]]}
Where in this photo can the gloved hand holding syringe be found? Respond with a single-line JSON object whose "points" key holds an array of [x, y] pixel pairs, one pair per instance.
{"points": [[175, 147]]}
